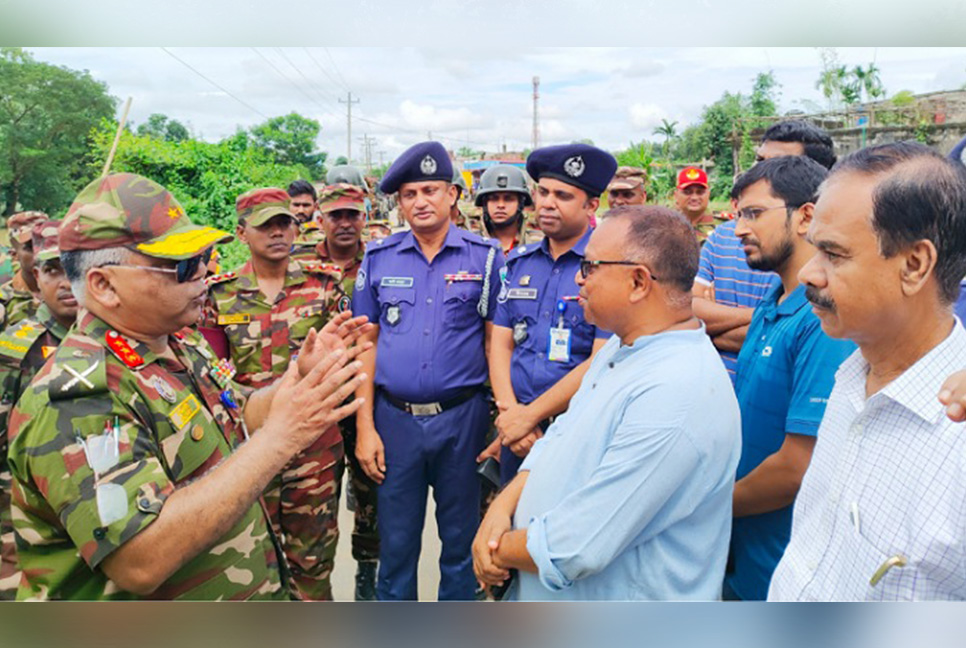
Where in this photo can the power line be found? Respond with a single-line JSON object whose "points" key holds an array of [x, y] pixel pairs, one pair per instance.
{"points": [[185, 63], [299, 71], [336, 67], [323, 70], [286, 78]]}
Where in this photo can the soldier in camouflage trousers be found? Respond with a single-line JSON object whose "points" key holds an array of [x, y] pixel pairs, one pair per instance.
{"points": [[342, 218], [24, 348], [266, 309], [132, 474], [19, 295]]}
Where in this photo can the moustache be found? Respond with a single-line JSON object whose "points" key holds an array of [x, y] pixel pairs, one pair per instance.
{"points": [[813, 295]]}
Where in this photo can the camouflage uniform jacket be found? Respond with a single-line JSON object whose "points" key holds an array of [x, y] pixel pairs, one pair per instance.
{"points": [[706, 224], [150, 425], [23, 350], [264, 336], [306, 241], [19, 302], [321, 252]]}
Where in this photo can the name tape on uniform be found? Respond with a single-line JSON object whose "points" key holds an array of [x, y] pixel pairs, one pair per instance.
{"points": [[237, 318], [396, 282], [521, 293]]}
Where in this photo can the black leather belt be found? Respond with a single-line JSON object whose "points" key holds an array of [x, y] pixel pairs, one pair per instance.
{"points": [[430, 409]]}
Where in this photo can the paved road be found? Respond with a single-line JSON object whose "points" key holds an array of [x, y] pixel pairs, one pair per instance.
{"points": [[343, 577]]}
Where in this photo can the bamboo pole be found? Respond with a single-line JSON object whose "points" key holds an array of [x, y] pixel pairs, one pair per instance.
{"points": [[117, 138]]}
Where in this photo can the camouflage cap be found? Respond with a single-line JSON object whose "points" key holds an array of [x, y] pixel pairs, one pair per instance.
{"points": [[628, 177], [44, 235], [257, 206], [128, 210], [21, 223], [342, 196]]}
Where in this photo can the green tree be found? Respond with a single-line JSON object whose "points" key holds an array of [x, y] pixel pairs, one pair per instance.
{"points": [[669, 131], [866, 83], [832, 78], [162, 127], [46, 116], [291, 140], [763, 101]]}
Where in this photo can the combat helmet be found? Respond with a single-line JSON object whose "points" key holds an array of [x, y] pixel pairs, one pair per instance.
{"points": [[346, 174], [503, 177]]}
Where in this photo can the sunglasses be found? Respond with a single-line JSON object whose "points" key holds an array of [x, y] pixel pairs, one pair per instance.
{"points": [[587, 267], [184, 271]]}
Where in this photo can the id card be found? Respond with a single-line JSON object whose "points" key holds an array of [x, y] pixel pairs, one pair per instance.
{"points": [[559, 348]]}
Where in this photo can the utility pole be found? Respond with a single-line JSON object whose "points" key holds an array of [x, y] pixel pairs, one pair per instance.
{"points": [[348, 137], [381, 154], [367, 144], [535, 143]]}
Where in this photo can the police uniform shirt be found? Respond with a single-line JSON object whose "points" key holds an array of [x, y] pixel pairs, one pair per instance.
{"points": [[527, 304], [431, 334]]}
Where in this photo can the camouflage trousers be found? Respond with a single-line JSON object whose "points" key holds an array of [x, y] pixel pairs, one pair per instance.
{"points": [[365, 532], [9, 573], [303, 505]]}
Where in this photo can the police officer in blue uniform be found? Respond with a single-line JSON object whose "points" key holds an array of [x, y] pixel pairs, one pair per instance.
{"points": [[541, 344], [431, 292]]}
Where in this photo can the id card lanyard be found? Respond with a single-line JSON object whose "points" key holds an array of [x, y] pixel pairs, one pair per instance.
{"points": [[558, 349]]}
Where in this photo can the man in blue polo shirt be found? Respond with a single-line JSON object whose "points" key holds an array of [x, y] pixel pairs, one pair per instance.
{"points": [[726, 289], [541, 343], [786, 369]]}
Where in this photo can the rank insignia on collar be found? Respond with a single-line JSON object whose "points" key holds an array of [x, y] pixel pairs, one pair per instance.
{"points": [[123, 350], [164, 390], [222, 372]]}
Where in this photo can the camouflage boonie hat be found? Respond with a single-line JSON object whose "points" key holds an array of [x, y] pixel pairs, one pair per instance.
{"points": [[258, 206], [128, 210], [21, 224], [342, 196], [44, 235]]}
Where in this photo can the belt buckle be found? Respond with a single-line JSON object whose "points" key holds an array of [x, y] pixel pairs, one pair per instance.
{"points": [[425, 409]]}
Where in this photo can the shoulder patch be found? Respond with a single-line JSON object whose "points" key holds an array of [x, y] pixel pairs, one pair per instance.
{"points": [[75, 377], [16, 341], [221, 278]]}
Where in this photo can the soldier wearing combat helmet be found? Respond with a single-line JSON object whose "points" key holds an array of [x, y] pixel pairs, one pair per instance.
{"points": [[132, 474], [503, 195], [266, 309]]}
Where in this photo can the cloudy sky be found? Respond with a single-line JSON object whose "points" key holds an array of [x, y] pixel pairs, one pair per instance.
{"points": [[478, 97]]}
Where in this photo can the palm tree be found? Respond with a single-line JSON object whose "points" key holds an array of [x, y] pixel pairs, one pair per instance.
{"points": [[669, 131]]}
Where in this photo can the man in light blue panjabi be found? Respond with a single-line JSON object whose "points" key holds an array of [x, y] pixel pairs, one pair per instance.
{"points": [[628, 496]]}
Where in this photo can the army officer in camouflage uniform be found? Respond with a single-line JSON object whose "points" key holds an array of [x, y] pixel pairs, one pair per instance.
{"points": [[133, 477], [266, 309]]}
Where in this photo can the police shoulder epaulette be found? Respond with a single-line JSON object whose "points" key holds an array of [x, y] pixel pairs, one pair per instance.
{"points": [[319, 267], [77, 371], [220, 278], [381, 244], [521, 250], [16, 341]]}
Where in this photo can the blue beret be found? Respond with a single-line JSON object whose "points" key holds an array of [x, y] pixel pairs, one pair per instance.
{"points": [[581, 165], [419, 163]]}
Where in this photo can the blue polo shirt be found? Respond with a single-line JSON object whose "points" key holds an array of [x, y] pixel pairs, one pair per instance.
{"points": [[723, 263], [534, 284], [786, 370], [431, 334]]}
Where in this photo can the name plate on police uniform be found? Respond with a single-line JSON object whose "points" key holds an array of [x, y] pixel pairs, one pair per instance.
{"points": [[521, 293], [396, 282], [237, 318]]}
